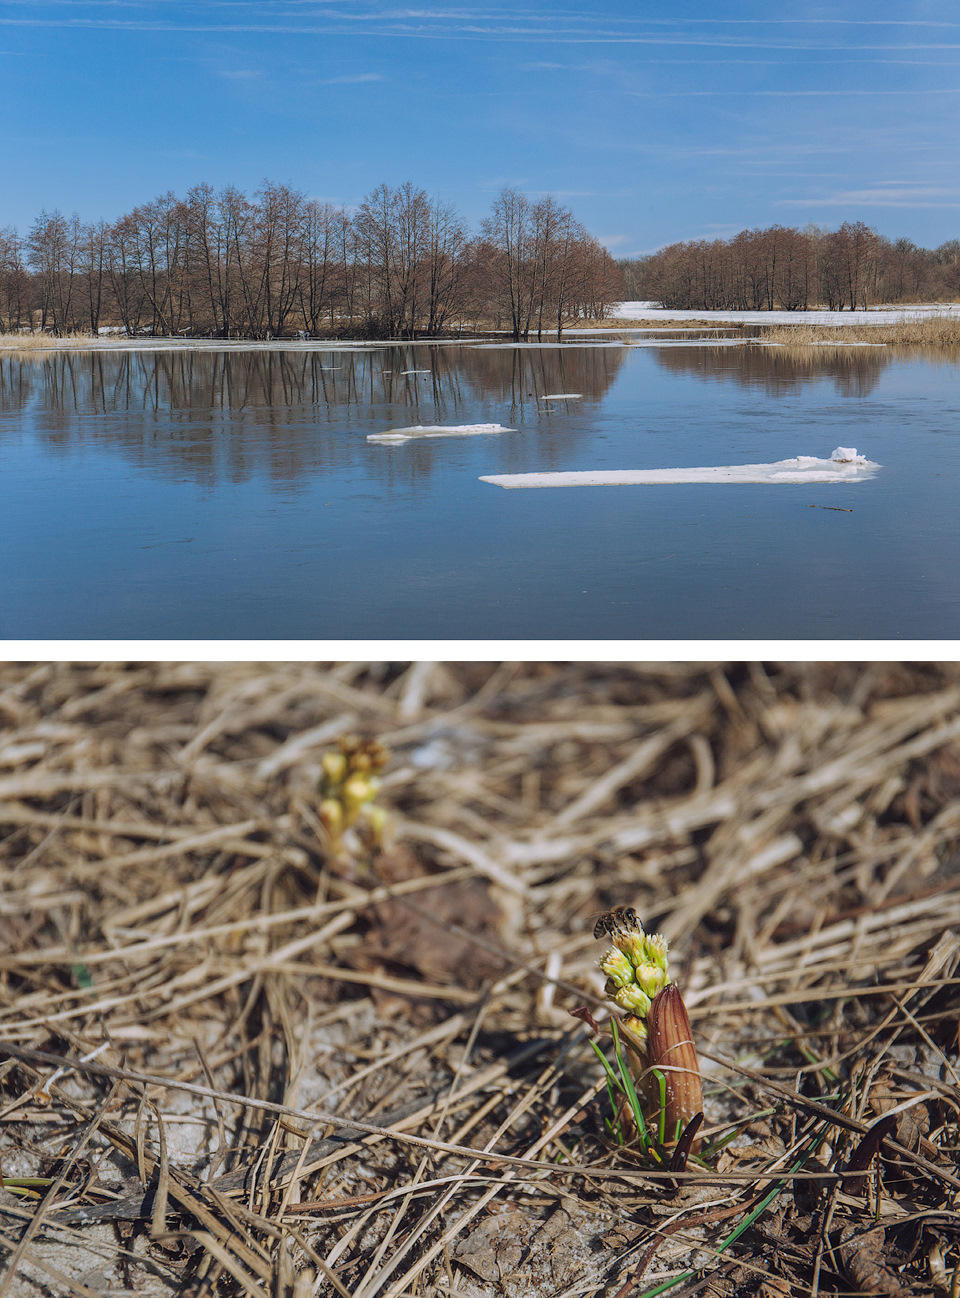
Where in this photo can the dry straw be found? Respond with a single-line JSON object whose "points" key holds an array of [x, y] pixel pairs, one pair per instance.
{"points": [[290, 1064]]}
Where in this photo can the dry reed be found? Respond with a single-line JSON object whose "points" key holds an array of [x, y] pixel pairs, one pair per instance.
{"points": [[30, 342], [925, 331], [237, 1059]]}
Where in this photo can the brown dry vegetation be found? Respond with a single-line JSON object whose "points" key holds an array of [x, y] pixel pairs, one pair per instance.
{"points": [[26, 342], [242, 1062], [929, 331]]}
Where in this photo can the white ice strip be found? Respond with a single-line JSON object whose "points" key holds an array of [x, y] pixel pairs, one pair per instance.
{"points": [[561, 396], [692, 342], [884, 314], [845, 465], [403, 372], [436, 430]]}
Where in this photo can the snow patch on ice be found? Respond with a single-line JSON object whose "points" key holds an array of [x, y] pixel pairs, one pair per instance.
{"points": [[436, 430], [844, 465], [883, 314]]}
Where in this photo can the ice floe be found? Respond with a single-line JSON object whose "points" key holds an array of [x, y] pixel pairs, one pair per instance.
{"points": [[561, 396], [882, 314], [436, 430], [846, 464]]}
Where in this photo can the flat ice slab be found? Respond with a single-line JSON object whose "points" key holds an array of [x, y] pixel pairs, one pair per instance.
{"points": [[561, 396], [844, 465], [876, 315], [436, 430]]}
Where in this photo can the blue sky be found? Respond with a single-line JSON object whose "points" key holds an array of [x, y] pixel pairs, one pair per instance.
{"points": [[651, 128]]}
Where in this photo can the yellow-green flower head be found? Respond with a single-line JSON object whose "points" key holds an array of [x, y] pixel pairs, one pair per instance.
{"points": [[632, 999], [334, 767], [638, 1028], [357, 790], [617, 968], [642, 948], [331, 813], [635, 967], [651, 977]]}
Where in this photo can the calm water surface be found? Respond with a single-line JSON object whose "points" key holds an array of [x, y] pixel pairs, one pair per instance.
{"points": [[215, 493]]}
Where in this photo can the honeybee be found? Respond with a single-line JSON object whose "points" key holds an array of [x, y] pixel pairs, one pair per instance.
{"points": [[614, 920]]}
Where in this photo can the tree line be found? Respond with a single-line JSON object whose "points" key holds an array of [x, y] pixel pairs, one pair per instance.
{"points": [[278, 264], [787, 269]]}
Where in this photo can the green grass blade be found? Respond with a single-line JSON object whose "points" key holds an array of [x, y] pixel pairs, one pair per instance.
{"points": [[747, 1222], [628, 1086]]}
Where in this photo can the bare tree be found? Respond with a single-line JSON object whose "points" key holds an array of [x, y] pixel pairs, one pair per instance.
{"points": [[447, 253], [510, 231], [318, 280], [278, 252], [14, 283], [53, 253]]}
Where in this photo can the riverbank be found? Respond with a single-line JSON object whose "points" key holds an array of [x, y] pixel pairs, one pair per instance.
{"points": [[920, 324]]}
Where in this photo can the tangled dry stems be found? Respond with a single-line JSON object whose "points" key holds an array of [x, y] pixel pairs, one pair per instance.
{"points": [[925, 331], [256, 1011]]}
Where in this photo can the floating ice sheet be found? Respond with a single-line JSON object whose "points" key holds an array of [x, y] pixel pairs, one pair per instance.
{"points": [[844, 465], [436, 430], [561, 396], [883, 314]]}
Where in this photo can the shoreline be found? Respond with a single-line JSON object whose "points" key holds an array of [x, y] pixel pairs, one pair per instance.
{"points": [[630, 323]]}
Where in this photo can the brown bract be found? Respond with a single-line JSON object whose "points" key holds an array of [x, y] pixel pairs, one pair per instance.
{"points": [[671, 1050]]}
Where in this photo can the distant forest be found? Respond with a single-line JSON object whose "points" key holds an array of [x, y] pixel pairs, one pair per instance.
{"points": [[278, 264], [402, 265], [783, 269]]}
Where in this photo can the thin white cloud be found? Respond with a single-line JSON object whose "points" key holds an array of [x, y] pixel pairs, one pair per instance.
{"points": [[478, 24], [886, 196], [351, 80], [728, 91]]}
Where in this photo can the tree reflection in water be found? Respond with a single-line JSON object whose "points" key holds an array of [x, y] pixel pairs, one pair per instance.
{"points": [[855, 371], [216, 414]]}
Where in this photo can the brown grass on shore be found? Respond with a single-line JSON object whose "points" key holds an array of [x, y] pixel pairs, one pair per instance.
{"points": [[927, 331], [235, 1060], [24, 342], [722, 326]]}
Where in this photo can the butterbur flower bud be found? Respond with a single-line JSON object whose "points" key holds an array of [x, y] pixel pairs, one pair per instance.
{"points": [[650, 978], [377, 820], [657, 1032], [670, 1049], [617, 968], [356, 791], [331, 814], [334, 767], [635, 966], [643, 948]]}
